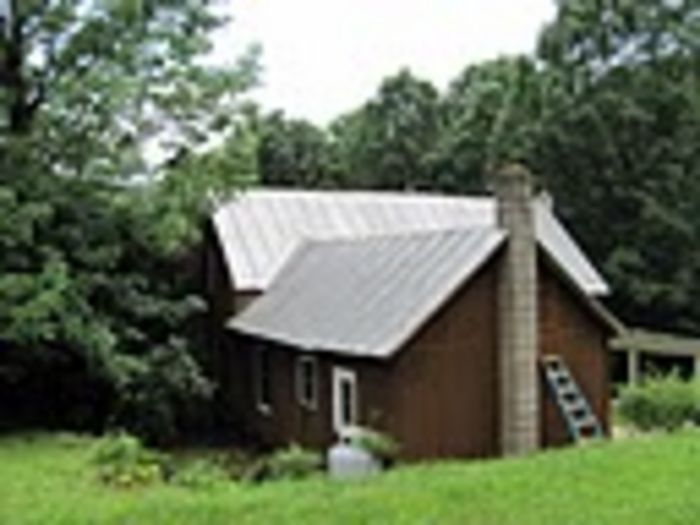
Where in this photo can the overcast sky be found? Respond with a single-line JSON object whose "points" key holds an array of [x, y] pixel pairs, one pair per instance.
{"points": [[324, 57]]}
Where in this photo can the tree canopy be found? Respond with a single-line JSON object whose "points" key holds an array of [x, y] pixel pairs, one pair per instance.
{"points": [[619, 147], [105, 106], [386, 142]]}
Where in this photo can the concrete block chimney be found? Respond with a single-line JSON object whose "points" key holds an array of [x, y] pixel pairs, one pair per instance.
{"points": [[517, 313]]}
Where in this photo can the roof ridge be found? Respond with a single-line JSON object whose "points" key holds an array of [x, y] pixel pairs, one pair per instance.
{"points": [[400, 235], [373, 193]]}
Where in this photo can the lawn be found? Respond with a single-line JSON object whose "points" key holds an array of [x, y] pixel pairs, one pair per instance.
{"points": [[48, 480]]}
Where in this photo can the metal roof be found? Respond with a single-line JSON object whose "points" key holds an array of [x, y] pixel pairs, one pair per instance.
{"points": [[260, 228], [366, 297]]}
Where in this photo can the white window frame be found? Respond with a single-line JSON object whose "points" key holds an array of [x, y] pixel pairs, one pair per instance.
{"points": [[300, 381], [260, 356], [340, 376]]}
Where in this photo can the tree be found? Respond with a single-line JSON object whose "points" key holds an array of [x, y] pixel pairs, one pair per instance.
{"points": [[386, 142], [107, 106], [491, 114], [294, 152], [619, 148], [591, 38]]}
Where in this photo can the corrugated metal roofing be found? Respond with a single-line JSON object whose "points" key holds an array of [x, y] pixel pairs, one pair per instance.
{"points": [[368, 296], [260, 228]]}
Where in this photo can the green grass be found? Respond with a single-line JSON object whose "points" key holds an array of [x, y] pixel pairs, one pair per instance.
{"points": [[47, 480]]}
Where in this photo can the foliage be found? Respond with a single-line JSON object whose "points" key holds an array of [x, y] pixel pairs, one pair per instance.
{"points": [[588, 39], [158, 388], [645, 481], [107, 111], [382, 446], [293, 462], [491, 113], [619, 148], [660, 403], [199, 474], [123, 462], [294, 153], [386, 142]]}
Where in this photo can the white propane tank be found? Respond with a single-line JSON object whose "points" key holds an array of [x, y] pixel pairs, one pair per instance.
{"points": [[347, 460]]}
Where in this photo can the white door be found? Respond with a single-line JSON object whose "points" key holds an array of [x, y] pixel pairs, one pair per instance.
{"points": [[344, 398]]}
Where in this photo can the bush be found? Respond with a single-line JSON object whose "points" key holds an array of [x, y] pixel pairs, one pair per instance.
{"points": [[660, 403], [382, 446], [293, 462], [158, 392], [199, 474], [122, 461]]}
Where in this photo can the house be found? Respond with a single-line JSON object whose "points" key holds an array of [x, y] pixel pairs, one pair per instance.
{"points": [[421, 316]]}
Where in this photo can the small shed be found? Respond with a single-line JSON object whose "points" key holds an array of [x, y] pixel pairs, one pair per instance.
{"points": [[420, 316]]}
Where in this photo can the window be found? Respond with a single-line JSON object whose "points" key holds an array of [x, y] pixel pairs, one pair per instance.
{"points": [[344, 398], [262, 373], [307, 382]]}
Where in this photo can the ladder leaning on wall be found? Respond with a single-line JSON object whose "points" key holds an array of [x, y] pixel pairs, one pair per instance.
{"points": [[580, 419]]}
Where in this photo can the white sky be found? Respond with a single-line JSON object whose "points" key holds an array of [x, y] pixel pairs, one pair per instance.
{"points": [[324, 57]]}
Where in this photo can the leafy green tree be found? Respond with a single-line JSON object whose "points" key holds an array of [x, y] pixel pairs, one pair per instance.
{"points": [[491, 114], [386, 143], [106, 107], [619, 148], [589, 38], [294, 152]]}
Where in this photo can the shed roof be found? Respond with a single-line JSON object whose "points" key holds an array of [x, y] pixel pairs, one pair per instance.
{"points": [[643, 340], [366, 297], [259, 229]]}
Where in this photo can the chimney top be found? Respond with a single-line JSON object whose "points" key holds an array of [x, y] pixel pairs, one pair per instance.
{"points": [[546, 200], [514, 172], [513, 191]]}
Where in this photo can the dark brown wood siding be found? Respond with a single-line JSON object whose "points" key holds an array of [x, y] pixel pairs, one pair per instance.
{"points": [[444, 396], [224, 364], [217, 286], [287, 421], [290, 422], [569, 329]]}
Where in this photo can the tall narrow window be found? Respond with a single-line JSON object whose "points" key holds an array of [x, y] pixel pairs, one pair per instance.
{"points": [[344, 398], [307, 382], [262, 375], [347, 409]]}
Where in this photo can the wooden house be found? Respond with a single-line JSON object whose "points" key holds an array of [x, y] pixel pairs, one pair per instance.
{"points": [[421, 316]]}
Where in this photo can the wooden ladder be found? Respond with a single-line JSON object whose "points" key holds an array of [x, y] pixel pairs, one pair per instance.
{"points": [[580, 419]]}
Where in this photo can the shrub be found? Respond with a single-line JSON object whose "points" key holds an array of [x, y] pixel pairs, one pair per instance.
{"points": [[159, 392], [382, 446], [199, 474], [122, 461], [660, 403], [293, 462]]}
